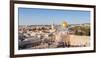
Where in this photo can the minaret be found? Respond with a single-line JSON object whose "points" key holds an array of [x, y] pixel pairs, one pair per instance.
{"points": [[52, 26]]}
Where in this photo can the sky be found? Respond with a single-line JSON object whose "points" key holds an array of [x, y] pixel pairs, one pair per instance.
{"points": [[36, 16]]}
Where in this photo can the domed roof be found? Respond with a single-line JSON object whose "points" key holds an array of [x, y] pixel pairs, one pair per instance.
{"points": [[64, 24]]}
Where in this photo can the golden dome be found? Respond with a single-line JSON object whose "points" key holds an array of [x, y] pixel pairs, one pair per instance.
{"points": [[64, 24]]}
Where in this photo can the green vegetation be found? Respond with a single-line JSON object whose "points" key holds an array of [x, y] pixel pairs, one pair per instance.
{"points": [[81, 30]]}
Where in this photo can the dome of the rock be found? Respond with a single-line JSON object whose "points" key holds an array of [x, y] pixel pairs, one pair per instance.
{"points": [[64, 24]]}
